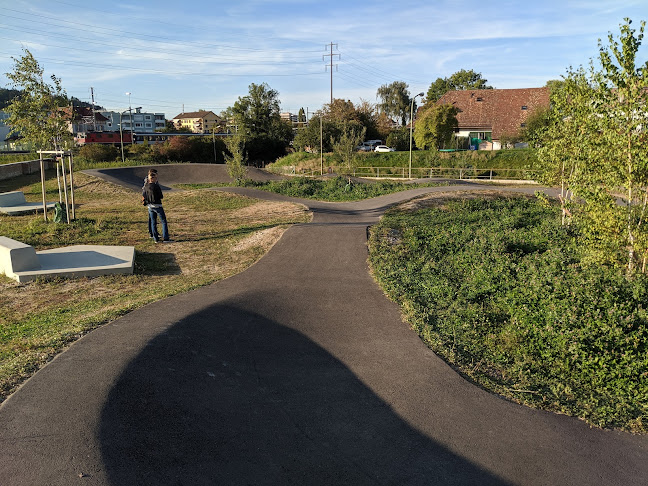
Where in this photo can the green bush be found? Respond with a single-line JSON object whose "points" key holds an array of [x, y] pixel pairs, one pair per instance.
{"points": [[498, 289], [96, 152]]}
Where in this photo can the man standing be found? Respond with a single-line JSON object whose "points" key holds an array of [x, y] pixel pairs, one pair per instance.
{"points": [[152, 195]]}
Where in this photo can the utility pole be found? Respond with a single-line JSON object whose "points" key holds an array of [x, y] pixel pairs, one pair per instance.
{"points": [[94, 117], [330, 56]]}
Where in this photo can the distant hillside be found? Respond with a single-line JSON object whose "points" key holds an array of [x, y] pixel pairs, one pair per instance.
{"points": [[6, 95]]}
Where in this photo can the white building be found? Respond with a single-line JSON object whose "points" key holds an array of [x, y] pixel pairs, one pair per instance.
{"points": [[142, 122]]}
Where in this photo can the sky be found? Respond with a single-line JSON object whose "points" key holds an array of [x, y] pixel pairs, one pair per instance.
{"points": [[175, 56]]}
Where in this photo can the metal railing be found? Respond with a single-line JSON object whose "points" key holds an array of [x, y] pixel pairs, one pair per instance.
{"points": [[460, 173]]}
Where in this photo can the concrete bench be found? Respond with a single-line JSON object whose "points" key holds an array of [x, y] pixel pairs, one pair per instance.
{"points": [[16, 257], [22, 263], [14, 203]]}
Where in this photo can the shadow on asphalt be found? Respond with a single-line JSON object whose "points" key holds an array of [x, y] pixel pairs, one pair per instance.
{"points": [[227, 396]]}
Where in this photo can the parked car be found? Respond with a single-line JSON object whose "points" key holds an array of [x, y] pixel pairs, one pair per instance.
{"points": [[384, 148], [364, 148]]}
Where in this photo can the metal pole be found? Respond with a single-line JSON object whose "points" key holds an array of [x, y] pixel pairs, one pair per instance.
{"points": [[411, 130], [321, 148], [42, 168], [121, 136]]}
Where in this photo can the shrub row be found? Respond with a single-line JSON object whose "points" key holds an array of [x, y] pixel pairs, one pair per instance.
{"points": [[498, 289]]}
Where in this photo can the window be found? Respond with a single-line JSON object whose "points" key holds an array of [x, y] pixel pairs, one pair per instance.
{"points": [[524, 107], [147, 117]]}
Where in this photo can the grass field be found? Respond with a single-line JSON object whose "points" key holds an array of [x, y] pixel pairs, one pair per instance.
{"points": [[496, 287], [216, 235]]}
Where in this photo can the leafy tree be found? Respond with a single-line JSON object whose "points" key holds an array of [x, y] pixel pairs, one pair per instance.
{"points": [[461, 80], [258, 112], [340, 110], [301, 117], [345, 146], [595, 146], [399, 139], [395, 100], [435, 127], [258, 118], [309, 136], [368, 117], [236, 160], [536, 124], [34, 114]]}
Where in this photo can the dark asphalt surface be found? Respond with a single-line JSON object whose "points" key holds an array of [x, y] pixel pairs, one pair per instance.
{"points": [[296, 371]]}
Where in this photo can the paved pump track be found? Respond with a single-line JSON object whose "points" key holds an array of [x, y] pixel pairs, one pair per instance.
{"points": [[296, 371]]}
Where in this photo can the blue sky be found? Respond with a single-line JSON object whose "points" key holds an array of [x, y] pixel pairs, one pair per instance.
{"points": [[204, 54]]}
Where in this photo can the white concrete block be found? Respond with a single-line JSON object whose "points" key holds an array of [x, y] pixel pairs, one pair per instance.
{"points": [[17, 257]]}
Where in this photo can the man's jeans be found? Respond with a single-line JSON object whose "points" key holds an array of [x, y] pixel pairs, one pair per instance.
{"points": [[153, 214]]}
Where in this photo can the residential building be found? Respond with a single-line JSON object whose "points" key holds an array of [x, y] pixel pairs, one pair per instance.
{"points": [[84, 119], [197, 121], [487, 114], [289, 117], [142, 122]]}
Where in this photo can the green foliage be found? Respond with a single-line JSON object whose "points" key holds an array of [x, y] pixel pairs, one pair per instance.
{"points": [[6, 95], [236, 167], [345, 146], [536, 126], [497, 288], [395, 100], [400, 139], [99, 153], [333, 189], [34, 114], [461, 80], [435, 126], [595, 147], [309, 137]]}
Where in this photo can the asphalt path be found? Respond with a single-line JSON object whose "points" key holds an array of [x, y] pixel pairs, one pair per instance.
{"points": [[296, 371]]}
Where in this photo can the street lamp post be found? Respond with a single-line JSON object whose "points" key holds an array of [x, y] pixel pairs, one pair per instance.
{"points": [[411, 132], [130, 114]]}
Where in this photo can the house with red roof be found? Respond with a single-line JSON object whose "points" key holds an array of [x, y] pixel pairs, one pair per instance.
{"points": [[487, 114]]}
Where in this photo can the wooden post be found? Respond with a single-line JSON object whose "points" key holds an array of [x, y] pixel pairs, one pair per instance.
{"points": [[67, 208], [71, 186], [42, 168], [58, 180]]}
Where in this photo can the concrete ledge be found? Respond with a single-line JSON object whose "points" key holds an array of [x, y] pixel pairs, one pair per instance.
{"points": [[16, 256], [14, 203], [81, 261], [20, 262]]}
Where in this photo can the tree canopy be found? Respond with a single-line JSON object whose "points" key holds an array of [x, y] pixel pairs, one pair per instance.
{"points": [[434, 128], [395, 100], [257, 116], [461, 80], [35, 113], [595, 147]]}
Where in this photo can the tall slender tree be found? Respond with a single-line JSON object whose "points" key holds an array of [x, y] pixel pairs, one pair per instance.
{"points": [[395, 100], [35, 113], [596, 147]]}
